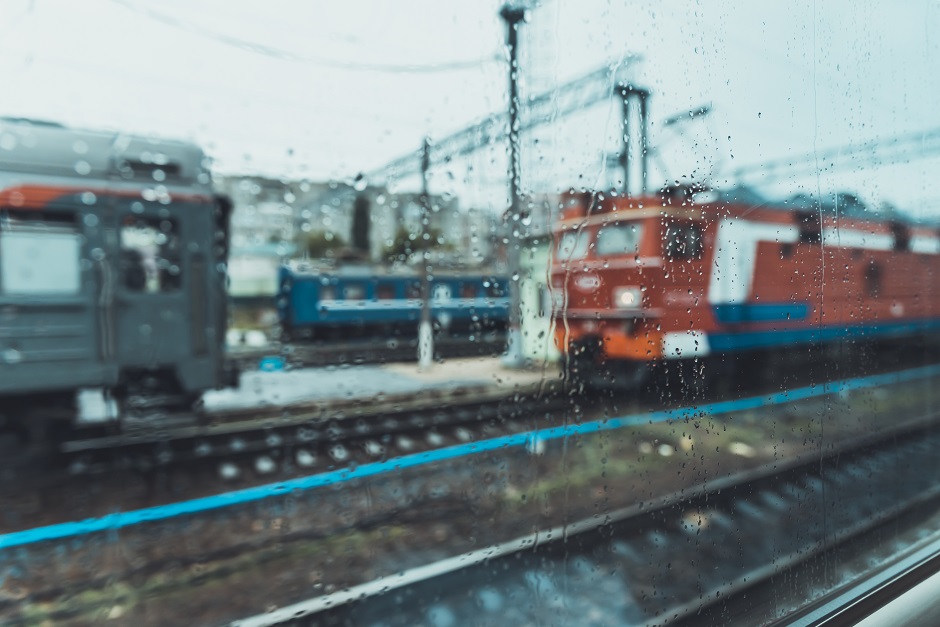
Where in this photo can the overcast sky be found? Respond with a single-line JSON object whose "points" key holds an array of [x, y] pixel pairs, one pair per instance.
{"points": [[326, 89]]}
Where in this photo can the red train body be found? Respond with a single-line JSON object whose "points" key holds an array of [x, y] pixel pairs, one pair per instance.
{"points": [[646, 280]]}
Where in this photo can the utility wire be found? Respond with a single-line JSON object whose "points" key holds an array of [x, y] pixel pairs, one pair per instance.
{"points": [[287, 55], [879, 152]]}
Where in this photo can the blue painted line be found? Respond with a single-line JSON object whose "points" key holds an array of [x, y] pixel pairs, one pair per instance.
{"points": [[760, 312], [748, 340], [121, 520]]}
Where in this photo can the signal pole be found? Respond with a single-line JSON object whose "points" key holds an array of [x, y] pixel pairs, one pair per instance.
{"points": [[513, 16], [425, 333]]}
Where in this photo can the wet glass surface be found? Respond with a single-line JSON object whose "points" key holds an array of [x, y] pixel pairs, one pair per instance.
{"points": [[496, 313]]}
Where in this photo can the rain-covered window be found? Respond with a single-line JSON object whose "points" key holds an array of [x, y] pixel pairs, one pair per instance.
{"points": [[526, 312]]}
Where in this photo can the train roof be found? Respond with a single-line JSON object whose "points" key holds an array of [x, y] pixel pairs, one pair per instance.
{"points": [[34, 151], [692, 202], [367, 271]]}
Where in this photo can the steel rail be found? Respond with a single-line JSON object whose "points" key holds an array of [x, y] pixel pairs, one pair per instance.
{"points": [[745, 508]]}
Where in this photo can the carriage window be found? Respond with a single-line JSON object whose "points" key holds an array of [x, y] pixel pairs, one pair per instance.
{"points": [[619, 239], [385, 291], [873, 279], [683, 241], [39, 259], [441, 292], [468, 290], [327, 293], [573, 245], [354, 291], [493, 289], [150, 255]]}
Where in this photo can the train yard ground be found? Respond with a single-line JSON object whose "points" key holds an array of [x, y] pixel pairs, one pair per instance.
{"points": [[366, 350], [169, 555], [368, 382], [280, 385]]}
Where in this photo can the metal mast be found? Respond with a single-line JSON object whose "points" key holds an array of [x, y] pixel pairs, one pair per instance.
{"points": [[513, 220]]}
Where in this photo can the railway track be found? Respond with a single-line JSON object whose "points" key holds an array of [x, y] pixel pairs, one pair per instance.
{"points": [[336, 432], [494, 451], [654, 564], [305, 436], [327, 434]]}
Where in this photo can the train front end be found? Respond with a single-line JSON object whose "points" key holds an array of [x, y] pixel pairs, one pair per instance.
{"points": [[628, 281]]}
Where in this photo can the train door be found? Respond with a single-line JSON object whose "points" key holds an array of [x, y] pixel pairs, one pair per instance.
{"points": [[150, 299]]}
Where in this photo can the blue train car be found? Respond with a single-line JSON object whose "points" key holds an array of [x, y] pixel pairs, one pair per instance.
{"points": [[336, 304]]}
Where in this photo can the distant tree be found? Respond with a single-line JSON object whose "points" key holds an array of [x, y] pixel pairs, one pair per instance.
{"points": [[407, 243], [402, 246], [361, 226], [320, 245]]}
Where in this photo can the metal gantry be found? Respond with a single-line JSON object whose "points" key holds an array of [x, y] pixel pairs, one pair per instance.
{"points": [[576, 95], [579, 94]]}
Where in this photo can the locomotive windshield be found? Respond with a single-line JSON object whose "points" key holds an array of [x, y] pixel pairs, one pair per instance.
{"points": [[622, 238], [573, 245]]}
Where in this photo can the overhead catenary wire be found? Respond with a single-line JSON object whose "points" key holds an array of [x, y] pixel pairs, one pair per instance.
{"points": [[878, 152], [288, 55]]}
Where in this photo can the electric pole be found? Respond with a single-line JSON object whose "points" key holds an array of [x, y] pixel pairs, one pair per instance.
{"points": [[629, 93], [513, 222], [425, 332]]}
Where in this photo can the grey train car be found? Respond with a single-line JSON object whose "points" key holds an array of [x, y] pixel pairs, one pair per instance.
{"points": [[112, 274]]}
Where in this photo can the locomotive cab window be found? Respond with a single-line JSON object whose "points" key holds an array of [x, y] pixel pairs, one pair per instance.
{"points": [[573, 245], [150, 259], [619, 239]]}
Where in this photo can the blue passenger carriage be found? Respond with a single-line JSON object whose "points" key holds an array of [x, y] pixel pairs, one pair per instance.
{"points": [[326, 304]]}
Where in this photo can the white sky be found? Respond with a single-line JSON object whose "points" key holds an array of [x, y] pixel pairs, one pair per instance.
{"points": [[310, 89]]}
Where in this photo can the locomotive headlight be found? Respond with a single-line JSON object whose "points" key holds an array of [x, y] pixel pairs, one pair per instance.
{"points": [[627, 297]]}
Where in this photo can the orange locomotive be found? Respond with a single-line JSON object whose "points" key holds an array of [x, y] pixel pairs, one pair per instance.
{"points": [[665, 279]]}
